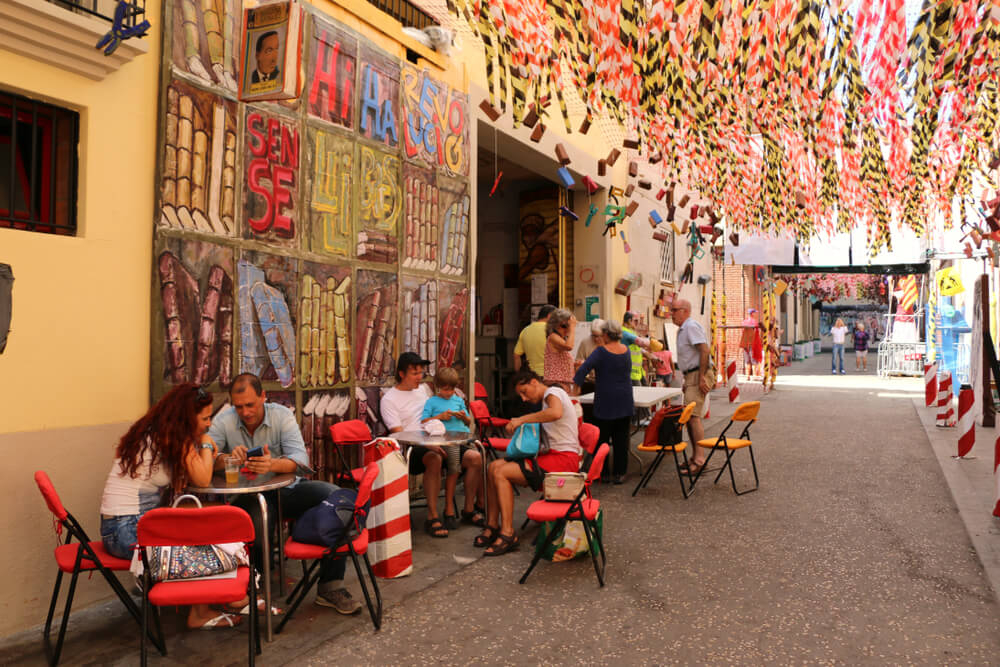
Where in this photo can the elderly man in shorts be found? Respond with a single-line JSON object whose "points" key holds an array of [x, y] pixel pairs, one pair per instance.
{"points": [[699, 378]]}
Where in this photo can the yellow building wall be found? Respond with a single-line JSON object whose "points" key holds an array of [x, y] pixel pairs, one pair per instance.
{"points": [[76, 368]]}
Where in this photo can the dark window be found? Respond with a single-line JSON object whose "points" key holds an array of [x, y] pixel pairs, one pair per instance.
{"points": [[38, 165], [405, 12]]}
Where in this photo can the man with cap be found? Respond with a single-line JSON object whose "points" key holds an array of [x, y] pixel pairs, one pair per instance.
{"points": [[402, 409]]}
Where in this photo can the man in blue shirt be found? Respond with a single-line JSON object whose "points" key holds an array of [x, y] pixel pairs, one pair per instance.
{"points": [[252, 422]]}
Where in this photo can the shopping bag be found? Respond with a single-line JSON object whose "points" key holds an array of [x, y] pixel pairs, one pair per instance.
{"points": [[525, 442], [390, 545], [569, 545]]}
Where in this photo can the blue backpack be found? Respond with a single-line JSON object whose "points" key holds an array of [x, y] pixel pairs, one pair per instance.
{"points": [[329, 522]]}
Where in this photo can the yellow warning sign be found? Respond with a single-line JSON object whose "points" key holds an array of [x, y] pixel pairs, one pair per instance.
{"points": [[949, 283]]}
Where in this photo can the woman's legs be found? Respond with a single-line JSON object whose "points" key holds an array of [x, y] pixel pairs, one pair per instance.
{"points": [[607, 427], [500, 482], [472, 462], [620, 444]]}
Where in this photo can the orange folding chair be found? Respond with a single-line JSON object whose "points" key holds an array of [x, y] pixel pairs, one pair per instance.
{"points": [[195, 526], [659, 442], [350, 433], [583, 508], [747, 412], [73, 558], [354, 543]]}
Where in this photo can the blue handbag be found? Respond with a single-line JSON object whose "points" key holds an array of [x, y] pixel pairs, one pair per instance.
{"points": [[525, 442]]}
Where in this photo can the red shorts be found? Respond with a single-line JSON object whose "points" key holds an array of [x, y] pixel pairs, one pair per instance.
{"points": [[534, 469]]}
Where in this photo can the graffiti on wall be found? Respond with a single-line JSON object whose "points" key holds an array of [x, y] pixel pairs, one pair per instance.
{"points": [[324, 320], [205, 33], [333, 66], [538, 250], [272, 177], [421, 208], [455, 210], [332, 189], [267, 284], [196, 298], [378, 106], [379, 206], [198, 189], [320, 411], [375, 327], [435, 121], [418, 299]]}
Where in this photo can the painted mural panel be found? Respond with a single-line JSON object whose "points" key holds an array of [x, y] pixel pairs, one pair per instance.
{"points": [[421, 208], [324, 320], [453, 300], [378, 106], [418, 298], [375, 327], [435, 122], [267, 285], [272, 178], [320, 411], [206, 37], [538, 250], [455, 216], [332, 168], [369, 401], [379, 206], [332, 71], [198, 190], [196, 305]]}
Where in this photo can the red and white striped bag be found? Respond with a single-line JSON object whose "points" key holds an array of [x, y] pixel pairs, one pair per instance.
{"points": [[390, 546]]}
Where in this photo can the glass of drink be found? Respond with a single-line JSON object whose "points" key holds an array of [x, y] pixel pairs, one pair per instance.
{"points": [[232, 470]]}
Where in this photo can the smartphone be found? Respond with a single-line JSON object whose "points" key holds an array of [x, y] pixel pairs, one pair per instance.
{"points": [[256, 451]]}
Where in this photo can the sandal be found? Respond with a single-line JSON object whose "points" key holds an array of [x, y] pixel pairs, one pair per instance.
{"points": [[507, 543], [435, 528], [450, 521], [220, 622], [476, 517], [485, 538], [692, 468], [245, 609]]}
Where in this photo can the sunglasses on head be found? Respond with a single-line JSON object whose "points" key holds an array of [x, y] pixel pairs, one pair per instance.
{"points": [[202, 394]]}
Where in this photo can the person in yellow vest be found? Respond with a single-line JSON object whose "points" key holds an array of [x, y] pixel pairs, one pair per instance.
{"points": [[635, 353]]}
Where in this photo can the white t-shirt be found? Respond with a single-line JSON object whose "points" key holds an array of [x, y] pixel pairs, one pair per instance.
{"points": [[562, 435], [125, 496], [838, 334], [404, 408]]}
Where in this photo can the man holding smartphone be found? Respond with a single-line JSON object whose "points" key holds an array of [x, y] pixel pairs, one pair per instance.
{"points": [[266, 438]]}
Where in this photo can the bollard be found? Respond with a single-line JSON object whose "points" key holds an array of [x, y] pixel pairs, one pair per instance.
{"points": [[946, 415], [731, 383], [966, 421], [930, 384]]}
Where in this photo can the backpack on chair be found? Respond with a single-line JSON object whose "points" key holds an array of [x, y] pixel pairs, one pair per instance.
{"points": [[665, 428]]}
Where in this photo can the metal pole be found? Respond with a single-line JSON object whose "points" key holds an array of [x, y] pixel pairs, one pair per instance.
{"points": [[989, 412]]}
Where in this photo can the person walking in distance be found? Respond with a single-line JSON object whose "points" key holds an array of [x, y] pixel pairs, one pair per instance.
{"points": [[861, 338], [699, 377], [838, 331]]}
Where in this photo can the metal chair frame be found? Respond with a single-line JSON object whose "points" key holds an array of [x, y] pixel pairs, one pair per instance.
{"points": [[664, 448], [721, 442]]}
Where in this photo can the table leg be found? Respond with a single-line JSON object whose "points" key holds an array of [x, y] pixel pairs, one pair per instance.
{"points": [[281, 547], [266, 567], [481, 448]]}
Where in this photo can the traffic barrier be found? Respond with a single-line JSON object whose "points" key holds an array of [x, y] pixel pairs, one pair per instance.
{"points": [[966, 421], [731, 382], [946, 414], [930, 384]]}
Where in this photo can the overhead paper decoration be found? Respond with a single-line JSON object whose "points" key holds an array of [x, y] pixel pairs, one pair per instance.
{"points": [[793, 116]]}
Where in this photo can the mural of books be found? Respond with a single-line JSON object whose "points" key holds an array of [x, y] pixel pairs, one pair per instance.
{"points": [[267, 331], [196, 296], [198, 191], [420, 218], [454, 302], [332, 171], [270, 57], [205, 37], [455, 207], [368, 400], [324, 318], [375, 327], [419, 331], [380, 206], [320, 411]]}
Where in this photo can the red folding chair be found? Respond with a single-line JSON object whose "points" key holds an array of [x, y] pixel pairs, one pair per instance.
{"points": [[496, 445], [588, 435], [351, 433], [496, 423], [193, 526], [354, 544], [583, 508], [480, 392], [74, 558]]}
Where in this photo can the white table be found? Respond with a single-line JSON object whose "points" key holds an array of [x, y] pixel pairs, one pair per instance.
{"points": [[642, 397]]}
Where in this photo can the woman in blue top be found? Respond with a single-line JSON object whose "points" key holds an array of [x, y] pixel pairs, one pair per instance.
{"points": [[613, 408]]}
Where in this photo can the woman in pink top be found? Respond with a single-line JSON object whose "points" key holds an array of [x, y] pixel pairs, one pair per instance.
{"points": [[560, 332]]}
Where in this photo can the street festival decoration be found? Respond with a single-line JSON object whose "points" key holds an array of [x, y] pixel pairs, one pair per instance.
{"points": [[832, 287], [797, 116]]}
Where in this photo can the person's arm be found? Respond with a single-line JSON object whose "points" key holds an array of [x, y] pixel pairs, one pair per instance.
{"points": [[559, 343], [290, 447], [518, 351], [200, 462], [552, 412], [517, 362], [584, 370], [703, 367], [463, 415]]}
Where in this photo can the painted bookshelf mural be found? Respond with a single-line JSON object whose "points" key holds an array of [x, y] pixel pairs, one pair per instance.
{"points": [[311, 240]]}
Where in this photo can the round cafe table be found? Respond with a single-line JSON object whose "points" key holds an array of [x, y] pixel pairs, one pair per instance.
{"points": [[259, 484], [446, 439]]}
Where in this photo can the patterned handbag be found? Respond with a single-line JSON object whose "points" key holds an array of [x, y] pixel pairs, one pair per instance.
{"points": [[188, 562]]}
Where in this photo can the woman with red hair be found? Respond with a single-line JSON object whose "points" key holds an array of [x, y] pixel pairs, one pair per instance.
{"points": [[162, 453]]}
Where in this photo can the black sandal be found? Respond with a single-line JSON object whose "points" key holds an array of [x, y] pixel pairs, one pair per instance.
{"points": [[486, 538], [450, 521], [507, 544], [476, 517], [433, 527]]}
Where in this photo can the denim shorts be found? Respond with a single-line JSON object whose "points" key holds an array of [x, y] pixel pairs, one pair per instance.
{"points": [[119, 534]]}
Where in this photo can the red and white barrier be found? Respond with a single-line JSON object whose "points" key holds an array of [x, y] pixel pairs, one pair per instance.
{"points": [[390, 545], [731, 382], [946, 414], [966, 420], [930, 384]]}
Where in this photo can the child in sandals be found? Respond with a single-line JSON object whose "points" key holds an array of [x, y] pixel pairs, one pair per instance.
{"points": [[449, 408]]}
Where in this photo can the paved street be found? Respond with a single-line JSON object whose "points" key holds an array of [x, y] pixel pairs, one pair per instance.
{"points": [[852, 552]]}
